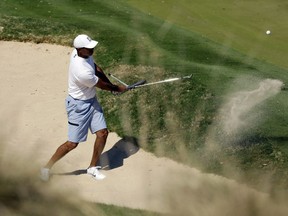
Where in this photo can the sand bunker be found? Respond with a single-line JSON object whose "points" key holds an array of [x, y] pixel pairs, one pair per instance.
{"points": [[33, 89]]}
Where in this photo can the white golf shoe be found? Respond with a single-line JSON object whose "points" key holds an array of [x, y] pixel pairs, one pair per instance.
{"points": [[44, 174], [94, 171]]}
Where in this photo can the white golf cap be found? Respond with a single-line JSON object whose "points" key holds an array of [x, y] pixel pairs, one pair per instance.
{"points": [[84, 41]]}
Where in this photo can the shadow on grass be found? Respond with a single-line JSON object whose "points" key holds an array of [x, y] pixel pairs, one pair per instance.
{"points": [[114, 157]]}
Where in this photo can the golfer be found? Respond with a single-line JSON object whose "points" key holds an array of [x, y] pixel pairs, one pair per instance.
{"points": [[83, 110]]}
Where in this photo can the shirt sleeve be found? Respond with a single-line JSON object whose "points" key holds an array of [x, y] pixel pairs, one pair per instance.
{"points": [[88, 78]]}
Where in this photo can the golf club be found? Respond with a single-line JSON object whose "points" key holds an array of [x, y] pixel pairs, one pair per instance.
{"points": [[118, 80], [142, 83], [129, 87], [164, 81]]}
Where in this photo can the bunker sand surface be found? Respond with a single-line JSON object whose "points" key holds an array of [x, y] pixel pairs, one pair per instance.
{"points": [[34, 86]]}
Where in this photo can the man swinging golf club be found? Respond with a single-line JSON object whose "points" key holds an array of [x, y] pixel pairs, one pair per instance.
{"points": [[83, 110]]}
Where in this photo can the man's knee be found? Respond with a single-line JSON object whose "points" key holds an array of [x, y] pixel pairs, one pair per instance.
{"points": [[71, 145], [102, 133]]}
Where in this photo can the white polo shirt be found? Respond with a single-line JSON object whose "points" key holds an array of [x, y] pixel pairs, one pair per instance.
{"points": [[82, 78]]}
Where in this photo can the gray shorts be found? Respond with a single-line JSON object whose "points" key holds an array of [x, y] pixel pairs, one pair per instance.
{"points": [[83, 115]]}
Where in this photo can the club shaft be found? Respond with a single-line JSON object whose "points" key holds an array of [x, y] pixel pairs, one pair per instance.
{"points": [[159, 82], [120, 81]]}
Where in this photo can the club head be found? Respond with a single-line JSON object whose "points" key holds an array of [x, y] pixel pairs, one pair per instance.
{"points": [[187, 77]]}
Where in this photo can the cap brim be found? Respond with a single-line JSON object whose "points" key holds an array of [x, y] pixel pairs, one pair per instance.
{"points": [[91, 45]]}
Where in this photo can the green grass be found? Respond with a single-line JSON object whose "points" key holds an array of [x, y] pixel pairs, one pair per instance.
{"points": [[238, 24], [224, 43], [122, 211]]}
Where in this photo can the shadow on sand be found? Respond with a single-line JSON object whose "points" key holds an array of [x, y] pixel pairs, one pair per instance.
{"points": [[114, 157]]}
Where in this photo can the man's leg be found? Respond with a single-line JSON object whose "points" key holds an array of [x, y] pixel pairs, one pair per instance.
{"points": [[99, 145], [61, 151]]}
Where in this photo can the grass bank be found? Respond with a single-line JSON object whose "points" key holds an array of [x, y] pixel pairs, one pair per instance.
{"points": [[238, 24]]}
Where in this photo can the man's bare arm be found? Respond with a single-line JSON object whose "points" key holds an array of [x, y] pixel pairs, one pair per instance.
{"points": [[110, 87], [100, 73]]}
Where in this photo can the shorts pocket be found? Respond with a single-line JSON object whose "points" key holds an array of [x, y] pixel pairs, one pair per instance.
{"points": [[70, 105], [74, 124]]}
